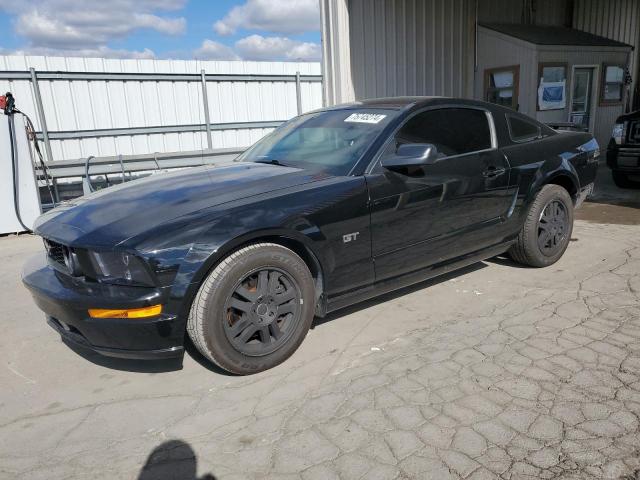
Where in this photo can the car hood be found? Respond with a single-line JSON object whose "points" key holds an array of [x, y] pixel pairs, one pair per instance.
{"points": [[112, 215]]}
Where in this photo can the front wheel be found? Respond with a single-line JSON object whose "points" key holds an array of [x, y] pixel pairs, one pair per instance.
{"points": [[254, 309], [546, 231]]}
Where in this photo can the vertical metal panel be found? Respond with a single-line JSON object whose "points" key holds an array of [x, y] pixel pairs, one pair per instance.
{"points": [[336, 67], [546, 12], [411, 47], [71, 105], [615, 19]]}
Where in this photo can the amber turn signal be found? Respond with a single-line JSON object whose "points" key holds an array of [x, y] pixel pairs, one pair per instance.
{"points": [[143, 312]]}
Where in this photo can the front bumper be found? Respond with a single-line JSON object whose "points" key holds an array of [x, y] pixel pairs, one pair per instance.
{"points": [[624, 159], [583, 194], [66, 300]]}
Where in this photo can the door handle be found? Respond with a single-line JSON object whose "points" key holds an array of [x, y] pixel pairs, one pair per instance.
{"points": [[493, 172]]}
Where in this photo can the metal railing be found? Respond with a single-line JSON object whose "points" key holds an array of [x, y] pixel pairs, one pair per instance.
{"points": [[46, 136]]}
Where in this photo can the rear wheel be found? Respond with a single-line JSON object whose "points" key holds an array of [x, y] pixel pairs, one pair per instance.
{"points": [[546, 232], [623, 181], [254, 309]]}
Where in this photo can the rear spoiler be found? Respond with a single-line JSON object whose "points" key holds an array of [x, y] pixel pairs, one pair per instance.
{"points": [[567, 126]]}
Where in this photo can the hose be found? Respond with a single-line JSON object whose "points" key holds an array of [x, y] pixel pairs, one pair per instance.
{"points": [[31, 132], [14, 168]]}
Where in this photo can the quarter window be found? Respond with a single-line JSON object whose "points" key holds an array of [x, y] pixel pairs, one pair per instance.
{"points": [[501, 86], [453, 131], [522, 130]]}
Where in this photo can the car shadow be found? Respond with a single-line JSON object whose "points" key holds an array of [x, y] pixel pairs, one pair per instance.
{"points": [[397, 293], [124, 364], [170, 365], [172, 460], [195, 354]]}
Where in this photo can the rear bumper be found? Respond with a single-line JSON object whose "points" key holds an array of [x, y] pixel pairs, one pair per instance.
{"points": [[624, 159], [65, 302]]}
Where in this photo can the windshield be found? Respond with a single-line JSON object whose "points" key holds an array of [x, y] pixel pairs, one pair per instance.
{"points": [[330, 141]]}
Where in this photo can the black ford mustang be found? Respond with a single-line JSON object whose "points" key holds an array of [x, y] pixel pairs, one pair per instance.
{"points": [[334, 207]]}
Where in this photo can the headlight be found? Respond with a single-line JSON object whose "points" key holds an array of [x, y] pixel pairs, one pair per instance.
{"points": [[120, 268], [618, 133]]}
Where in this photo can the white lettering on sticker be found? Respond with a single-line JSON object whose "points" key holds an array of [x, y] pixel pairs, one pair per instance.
{"points": [[365, 118]]}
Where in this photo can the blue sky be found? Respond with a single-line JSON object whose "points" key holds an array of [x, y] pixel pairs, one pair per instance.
{"points": [[215, 29]]}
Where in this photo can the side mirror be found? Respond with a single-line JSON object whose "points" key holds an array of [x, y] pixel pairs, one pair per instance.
{"points": [[411, 155]]}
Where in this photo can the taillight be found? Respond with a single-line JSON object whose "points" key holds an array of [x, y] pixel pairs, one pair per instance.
{"points": [[619, 132]]}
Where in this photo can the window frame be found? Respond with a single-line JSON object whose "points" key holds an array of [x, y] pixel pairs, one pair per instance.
{"points": [[540, 135], [515, 69], [541, 66], [492, 133], [603, 84]]}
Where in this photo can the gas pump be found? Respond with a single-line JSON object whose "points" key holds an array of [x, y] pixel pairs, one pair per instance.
{"points": [[19, 196]]}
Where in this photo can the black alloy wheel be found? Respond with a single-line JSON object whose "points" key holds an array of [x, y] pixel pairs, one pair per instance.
{"points": [[552, 227], [262, 311]]}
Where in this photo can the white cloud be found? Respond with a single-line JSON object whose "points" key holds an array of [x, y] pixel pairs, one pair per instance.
{"points": [[100, 52], [211, 50], [257, 47], [71, 25], [280, 16]]}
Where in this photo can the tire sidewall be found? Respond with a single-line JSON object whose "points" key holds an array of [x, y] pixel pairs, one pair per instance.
{"points": [[216, 340], [548, 194]]}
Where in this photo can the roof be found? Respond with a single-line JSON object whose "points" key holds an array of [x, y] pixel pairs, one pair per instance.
{"points": [[552, 35], [391, 102], [401, 103]]}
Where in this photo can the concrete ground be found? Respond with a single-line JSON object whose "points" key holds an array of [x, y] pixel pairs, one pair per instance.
{"points": [[495, 371]]}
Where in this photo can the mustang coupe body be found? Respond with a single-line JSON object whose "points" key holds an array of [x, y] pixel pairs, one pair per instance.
{"points": [[334, 207]]}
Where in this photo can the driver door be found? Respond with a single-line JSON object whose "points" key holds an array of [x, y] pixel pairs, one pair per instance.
{"points": [[428, 214]]}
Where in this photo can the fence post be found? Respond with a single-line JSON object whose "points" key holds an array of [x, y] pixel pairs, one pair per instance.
{"points": [[205, 100], [43, 126], [43, 120], [298, 93]]}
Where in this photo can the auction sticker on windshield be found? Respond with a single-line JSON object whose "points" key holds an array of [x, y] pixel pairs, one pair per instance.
{"points": [[365, 118]]}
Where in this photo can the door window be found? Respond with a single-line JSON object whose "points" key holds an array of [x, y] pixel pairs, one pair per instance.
{"points": [[453, 131], [581, 103]]}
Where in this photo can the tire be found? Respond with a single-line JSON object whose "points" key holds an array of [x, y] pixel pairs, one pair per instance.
{"points": [[623, 181], [533, 247], [218, 329]]}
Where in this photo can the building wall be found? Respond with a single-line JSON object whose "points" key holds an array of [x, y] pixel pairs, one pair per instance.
{"points": [[498, 50], [98, 104], [615, 19], [544, 12], [336, 52], [412, 47], [603, 116]]}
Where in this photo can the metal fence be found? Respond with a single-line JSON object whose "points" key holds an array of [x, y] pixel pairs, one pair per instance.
{"points": [[105, 107]]}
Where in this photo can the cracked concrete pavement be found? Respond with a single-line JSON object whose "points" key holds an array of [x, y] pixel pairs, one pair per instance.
{"points": [[495, 371]]}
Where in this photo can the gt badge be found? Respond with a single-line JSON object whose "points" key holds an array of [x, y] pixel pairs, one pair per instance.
{"points": [[350, 237]]}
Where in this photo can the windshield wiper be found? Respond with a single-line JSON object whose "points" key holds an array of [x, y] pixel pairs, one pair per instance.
{"points": [[272, 162]]}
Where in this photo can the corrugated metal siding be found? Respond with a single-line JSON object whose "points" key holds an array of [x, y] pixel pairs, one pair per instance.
{"points": [[546, 12], [98, 104], [412, 47], [336, 63], [615, 19]]}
